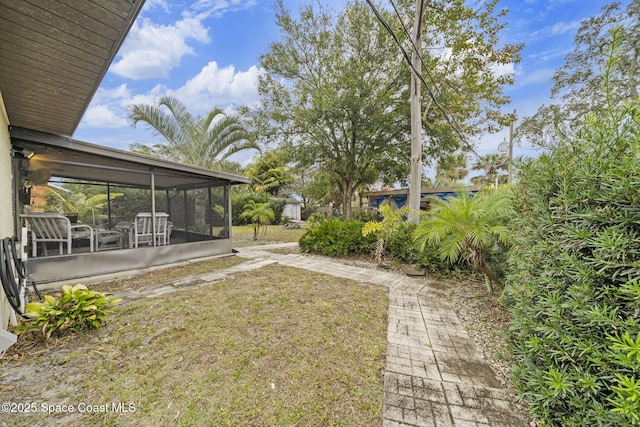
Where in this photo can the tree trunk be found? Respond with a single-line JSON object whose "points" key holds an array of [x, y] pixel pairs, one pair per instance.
{"points": [[489, 276], [347, 195]]}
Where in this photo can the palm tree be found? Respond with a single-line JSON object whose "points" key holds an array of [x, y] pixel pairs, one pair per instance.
{"points": [[199, 141], [491, 165], [465, 226], [260, 215]]}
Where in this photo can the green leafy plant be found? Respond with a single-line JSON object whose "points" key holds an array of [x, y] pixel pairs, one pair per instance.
{"points": [[334, 236], [389, 225], [78, 308], [260, 214], [572, 283], [88, 208], [466, 226]]}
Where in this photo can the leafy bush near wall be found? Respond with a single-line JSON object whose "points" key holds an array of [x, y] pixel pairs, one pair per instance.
{"points": [[78, 308], [277, 204], [334, 236], [572, 284]]}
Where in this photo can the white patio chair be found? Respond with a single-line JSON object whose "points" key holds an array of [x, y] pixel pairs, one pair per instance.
{"points": [[48, 227], [143, 229]]}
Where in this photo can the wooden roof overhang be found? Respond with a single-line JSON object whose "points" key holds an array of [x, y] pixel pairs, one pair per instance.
{"points": [[53, 56]]}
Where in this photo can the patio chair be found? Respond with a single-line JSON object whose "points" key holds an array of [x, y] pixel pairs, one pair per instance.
{"points": [[48, 227], [143, 229]]}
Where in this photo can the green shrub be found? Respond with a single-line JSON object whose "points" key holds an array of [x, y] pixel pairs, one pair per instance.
{"points": [[572, 283], [333, 236], [78, 308], [366, 215], [238, 202], [278, 207], [400, 246], [465, 228]]}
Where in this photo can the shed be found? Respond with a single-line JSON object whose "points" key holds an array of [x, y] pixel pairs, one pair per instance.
{"points": [[292, 209]]}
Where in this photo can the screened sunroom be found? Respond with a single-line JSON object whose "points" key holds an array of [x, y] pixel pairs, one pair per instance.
{"points": [[85, 209]]}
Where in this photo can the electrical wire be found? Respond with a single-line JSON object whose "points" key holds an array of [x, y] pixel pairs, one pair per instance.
{"points": [[432, 96]]}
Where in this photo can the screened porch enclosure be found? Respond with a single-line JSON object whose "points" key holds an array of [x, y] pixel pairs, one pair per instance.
{"points": [[194, 213], [140, 211]]}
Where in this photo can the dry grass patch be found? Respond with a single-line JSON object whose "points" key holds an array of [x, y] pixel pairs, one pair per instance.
{"points": [[276, 346]]}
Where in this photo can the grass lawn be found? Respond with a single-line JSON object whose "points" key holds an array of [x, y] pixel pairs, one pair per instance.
{"points": [[242, 235], [271, 347]]}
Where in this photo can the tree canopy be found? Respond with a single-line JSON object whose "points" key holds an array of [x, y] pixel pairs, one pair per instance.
{"points": [[333, 89], [579, 84], [336, 87]]}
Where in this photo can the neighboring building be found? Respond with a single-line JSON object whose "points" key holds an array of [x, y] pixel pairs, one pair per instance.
{"points": [[292, 209], [52, 59], [399, 197]]}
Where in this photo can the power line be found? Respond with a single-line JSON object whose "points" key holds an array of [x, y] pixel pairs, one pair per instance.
{"points": [[386, 25]]}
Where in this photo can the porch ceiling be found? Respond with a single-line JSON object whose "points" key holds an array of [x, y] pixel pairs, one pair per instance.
{"points": [[53, 55], [69, 158]]}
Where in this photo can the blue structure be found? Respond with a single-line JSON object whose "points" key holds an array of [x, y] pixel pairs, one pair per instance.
{"points": [[398, 198]]}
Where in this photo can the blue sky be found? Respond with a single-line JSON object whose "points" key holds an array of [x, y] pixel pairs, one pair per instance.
{"points": [[206, 53]]}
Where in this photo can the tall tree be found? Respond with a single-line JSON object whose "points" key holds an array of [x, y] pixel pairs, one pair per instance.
{"points": [[199, 141], [451, 169], [465, 66], [337, 89], [578, 84], [333, 88]]}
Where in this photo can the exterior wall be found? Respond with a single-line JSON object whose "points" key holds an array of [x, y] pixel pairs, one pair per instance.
{"points": [[6, 197], [292, 210]]}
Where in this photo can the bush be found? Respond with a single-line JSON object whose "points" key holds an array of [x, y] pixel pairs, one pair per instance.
{"points": [[401, 247], [333, 236], [465, 228], [572, 283], [366, 215], [79, 308]]}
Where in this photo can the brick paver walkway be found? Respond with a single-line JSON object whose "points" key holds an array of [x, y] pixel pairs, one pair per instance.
{"points": [[434, 374]]}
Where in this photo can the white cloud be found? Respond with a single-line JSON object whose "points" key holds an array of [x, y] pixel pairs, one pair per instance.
{"points": [[499, 70], [213, 86], [152, 50], [104, 94], [219, 86], [217, 8], [548, 54], [103, 116], [559, 28], [156, 4], [539, 75]]}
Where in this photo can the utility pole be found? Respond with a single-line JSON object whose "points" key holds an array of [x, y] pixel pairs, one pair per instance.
{"points": [[416, 115]]}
